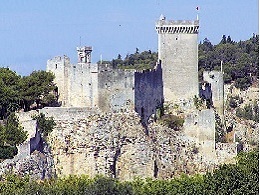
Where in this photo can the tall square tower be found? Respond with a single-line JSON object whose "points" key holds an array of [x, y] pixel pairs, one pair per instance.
{"points": [[178, 52]]}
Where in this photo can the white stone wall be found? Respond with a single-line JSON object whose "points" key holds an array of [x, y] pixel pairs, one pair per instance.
{"points": [[116, 89], [81, 85], [200, 126], [60, 67]]}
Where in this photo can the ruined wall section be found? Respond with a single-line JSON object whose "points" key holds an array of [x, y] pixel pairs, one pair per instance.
{"points": [[215, 78], [60, 66], [199, 126], [148, 92], [178, 51], [115, 89]]}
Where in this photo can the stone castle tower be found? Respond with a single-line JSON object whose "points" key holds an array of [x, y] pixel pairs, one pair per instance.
{"points": [[77, 83], [178, 53]]}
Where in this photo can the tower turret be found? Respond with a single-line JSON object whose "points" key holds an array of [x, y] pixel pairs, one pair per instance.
{"points": [[84, 54], [178, 52]]}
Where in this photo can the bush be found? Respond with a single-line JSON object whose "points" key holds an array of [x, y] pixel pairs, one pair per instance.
{"points": [[172, 121], [249, 112], [7, 152], [44, 124]]}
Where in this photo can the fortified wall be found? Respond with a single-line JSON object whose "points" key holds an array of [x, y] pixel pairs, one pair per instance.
{"points": [[99, 86]]}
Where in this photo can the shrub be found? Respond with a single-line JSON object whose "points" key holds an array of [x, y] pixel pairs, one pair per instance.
{"points": [[172, 121], [7, 152], [45, 124]]}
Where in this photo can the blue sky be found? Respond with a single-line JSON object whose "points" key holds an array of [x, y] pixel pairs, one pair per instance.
{"points": [[33, 31]]}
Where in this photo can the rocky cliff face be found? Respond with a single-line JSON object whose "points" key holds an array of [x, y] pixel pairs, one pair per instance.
{"points": [[239, 129], [39, 165], [117, 145]]}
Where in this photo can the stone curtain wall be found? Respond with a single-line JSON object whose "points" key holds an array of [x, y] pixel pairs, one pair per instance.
{"points": [[82, 85], [148, 92], [115, 89]]}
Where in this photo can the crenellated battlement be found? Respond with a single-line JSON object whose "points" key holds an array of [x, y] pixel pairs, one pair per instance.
{"points": [[177, 26]]}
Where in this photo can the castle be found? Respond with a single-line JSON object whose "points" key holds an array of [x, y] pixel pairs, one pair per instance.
{"points": [[98, 86], [103, 124]]}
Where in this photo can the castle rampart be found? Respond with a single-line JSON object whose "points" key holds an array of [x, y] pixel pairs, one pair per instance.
{"points": [[148, 92], [177, 26], [116, 89], [103, 87]]}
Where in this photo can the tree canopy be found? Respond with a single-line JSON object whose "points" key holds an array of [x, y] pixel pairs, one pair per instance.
{"points": [[18, 92], [138, 60], [11, 135], [240, 59]]}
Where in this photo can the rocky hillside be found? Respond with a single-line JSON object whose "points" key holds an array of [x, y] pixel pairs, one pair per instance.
{"points": [[242, 115]]}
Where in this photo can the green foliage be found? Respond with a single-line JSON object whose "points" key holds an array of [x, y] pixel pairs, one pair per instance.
{"points": [[240, 59], [138, 61], [220, 134], [11, 135], [249, 112], [240, 178], [235, 101], [44, 124], [9, 94], [172, 121], [7, 152], [36, 88], [13, 131], [18, 92]]}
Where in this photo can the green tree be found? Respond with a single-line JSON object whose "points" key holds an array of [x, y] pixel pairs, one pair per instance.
{"points": [[138, 61], [223, 40], [13, 131], [11, 135], [240, 178], [9, 94], [37, 88], [44, 124], [229, 40], [240, 60]]}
